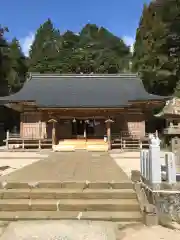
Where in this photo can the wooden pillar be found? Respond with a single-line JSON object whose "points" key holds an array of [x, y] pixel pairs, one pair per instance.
{"points": [[85, 132], [53, 121], [108, 127], [53, 134], [109, 135], [40, 134], [21, 129], [7, 139], [74, 127], [23, 145], [40, 129]]}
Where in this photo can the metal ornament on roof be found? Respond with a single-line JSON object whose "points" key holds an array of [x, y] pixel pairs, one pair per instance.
{"points": [[110, 120], [74, 120], [52, 120]]}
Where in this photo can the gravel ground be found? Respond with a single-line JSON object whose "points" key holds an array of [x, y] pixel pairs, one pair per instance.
{"points": [[59, 230], [129, 161], [83, 230], [149, 233], [18, 160]]}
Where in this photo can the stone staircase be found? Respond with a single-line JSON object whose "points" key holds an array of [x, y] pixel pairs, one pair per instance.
{"points": [[69, 200]]}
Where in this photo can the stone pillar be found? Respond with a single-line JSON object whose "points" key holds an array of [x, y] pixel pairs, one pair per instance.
{"points": [[154, 161], [171, 167]]}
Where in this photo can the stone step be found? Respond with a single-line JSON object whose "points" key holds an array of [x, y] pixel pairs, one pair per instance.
{"points": [[63, 193], [69, 205], [96, 142], [70, 185], [82, 142], [90, 145], [97, 148], [63, 148], [80, 147], [123, 218]]}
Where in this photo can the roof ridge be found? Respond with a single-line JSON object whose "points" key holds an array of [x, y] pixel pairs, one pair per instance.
{"points": [[119, 75]]}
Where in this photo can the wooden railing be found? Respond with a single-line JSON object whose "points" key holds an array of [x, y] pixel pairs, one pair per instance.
{"points": [[129, 141], [122, 140], [14, 140], [13, 135]]}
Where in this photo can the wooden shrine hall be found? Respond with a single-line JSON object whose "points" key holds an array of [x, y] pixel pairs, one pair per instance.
{"points": [[82, 111]]}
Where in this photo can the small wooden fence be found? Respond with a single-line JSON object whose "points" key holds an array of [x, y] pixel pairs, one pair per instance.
{"points": [[126, 141], [14, 141]]}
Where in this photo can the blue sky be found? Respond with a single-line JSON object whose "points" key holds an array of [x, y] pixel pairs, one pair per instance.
{"points": [[23, 17]]}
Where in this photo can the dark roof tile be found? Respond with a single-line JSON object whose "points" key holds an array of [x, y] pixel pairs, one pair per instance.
{"points": [[70, 91]]}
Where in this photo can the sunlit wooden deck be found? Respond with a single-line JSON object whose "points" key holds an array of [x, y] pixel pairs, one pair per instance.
{"points": [[82, 144]]}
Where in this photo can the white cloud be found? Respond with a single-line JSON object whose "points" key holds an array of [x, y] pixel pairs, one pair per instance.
{"points": [[26, 43], [129, 41]]}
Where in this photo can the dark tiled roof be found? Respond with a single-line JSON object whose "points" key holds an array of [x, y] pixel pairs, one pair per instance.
{"points": [[71, 91]]}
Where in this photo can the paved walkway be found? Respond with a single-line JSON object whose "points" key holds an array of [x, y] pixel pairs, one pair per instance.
{"points": [[76, 166]]}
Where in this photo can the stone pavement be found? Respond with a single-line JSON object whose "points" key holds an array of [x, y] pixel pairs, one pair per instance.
{"points": [[70, 166]]}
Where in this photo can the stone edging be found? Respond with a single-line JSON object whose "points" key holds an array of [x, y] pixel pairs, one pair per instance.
{"points": [[149, 211]]}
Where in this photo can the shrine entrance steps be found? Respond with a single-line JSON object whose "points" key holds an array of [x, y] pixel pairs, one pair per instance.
{"points": [[81, 144], [102, 201]]}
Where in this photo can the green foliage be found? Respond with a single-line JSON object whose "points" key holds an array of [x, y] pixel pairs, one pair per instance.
{"points": [[94, 50], [18, 67], [4, 60], [156, 51], [13, 66], [44, 50]]}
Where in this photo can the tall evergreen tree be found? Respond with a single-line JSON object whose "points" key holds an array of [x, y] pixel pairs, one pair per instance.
{"points": [[13, 67], [68, 58], [172, 47], [18, 67], [153, 50], [45, 48], [4, 62], [94, 49], [104, 52]]}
